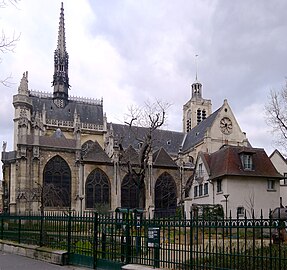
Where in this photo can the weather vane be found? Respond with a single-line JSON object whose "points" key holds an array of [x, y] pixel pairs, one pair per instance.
{"points": [[196, 66]]}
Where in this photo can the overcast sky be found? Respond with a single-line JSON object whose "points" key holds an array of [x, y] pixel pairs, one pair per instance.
{"points": [[129, 51]]}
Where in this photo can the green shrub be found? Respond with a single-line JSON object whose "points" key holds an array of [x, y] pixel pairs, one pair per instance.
{"points": [[264, 258]]}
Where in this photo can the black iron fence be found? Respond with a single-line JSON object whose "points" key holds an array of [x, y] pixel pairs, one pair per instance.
{"points": [[126, 237]]}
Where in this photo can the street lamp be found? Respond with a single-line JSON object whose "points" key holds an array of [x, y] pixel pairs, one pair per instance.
{"points": [[226, 197]]}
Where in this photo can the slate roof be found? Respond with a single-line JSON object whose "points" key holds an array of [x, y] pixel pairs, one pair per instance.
{"points": [[8, 156], [53, 141], [196, 135], [171, 141], [96, 153], [89, 113], [130, 154], [226, 161], [162, 159]]}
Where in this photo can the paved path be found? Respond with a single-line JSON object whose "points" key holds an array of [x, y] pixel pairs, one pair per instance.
{"points": [[15, 262]]}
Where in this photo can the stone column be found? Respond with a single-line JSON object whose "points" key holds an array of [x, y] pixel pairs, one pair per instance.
{"points": [[12, 187]]}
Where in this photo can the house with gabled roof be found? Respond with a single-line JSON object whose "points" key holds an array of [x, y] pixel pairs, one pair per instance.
{"points": [[280, 163], [242, 179]]}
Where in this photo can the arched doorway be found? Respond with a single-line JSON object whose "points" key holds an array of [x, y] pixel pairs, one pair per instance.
{"points": [[56, 190], [165, 195], [132, 194], [97, 190]]}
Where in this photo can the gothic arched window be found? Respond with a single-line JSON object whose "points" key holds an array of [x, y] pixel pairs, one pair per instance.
{"points": [[199, 116], [97, 189], [203, 114], [188, 121], [165, 194], [57, 183], [132, 195]]}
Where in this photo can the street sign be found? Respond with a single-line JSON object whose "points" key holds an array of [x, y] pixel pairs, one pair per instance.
{"points": [[153, 239]]}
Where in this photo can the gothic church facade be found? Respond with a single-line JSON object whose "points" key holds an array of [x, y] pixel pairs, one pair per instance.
{"points": [[66, 150]]}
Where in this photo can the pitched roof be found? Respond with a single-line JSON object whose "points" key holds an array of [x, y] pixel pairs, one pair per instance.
{"points": [[171, 141], [276, 151], [96, 153], [131, 155], [196, 135], [232, 164], [162, 159], [53, 141], [88, 112]]}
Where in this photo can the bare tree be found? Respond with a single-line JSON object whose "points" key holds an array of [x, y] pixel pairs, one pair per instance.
{"points": [[4, 3], [7, 42], [48, 195], [150, 118], [250, 204], [276, 115]]}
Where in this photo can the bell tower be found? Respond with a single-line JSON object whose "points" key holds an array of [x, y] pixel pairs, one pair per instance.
{"points": [[61, 63], [197, 108]]}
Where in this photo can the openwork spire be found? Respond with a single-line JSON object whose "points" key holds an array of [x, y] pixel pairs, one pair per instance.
{"points": [[61, 47], [61, 64]]}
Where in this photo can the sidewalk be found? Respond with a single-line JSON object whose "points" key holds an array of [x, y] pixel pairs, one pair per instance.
{"points": [[16, 262]]}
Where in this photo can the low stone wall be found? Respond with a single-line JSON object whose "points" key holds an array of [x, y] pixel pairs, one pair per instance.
{"points": [[35, 252], [137, 267]]}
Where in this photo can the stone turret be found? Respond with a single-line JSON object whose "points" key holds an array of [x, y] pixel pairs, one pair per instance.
{"points": [[23, 107], [61, 63]]}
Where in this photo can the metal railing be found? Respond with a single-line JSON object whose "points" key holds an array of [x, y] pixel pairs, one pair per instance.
{"points": [[94, 240]]}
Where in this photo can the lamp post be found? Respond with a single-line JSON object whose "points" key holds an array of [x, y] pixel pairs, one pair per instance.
{"points": [[226, 197]]}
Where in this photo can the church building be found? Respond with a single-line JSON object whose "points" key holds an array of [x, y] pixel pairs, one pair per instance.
{"points": [[67, 155]]}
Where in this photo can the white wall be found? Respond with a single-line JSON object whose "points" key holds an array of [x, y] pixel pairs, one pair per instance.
{"points": [[281, 166], [247, 192]]}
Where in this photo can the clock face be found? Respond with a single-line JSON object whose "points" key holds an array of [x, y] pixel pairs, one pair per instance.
{"points": [[225, 125]]}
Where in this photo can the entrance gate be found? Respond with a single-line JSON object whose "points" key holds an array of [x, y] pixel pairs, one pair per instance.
{"points": [[104, 241]]}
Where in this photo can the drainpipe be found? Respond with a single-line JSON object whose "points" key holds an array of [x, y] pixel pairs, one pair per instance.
{"points": [[213, 196]]}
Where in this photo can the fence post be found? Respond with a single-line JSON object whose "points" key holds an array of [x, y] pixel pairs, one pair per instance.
{"points": [[95, 240], [2, 225], [156, 257], [104, 243], [128, 242], [69, 235], [19, 230], [41, 229], [191, 236]]}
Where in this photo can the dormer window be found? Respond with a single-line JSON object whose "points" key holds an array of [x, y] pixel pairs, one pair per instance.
{"points": [[247, 161]]}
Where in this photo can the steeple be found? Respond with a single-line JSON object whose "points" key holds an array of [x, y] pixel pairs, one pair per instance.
{"points": [[197, 108], [196, 87], [61, 63]]}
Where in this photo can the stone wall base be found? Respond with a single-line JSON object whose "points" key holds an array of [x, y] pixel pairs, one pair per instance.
{"points": [[59, 257], [138, 267]]}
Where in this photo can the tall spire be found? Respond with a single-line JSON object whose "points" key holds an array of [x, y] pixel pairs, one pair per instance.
{"points": [[61, 63]]}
